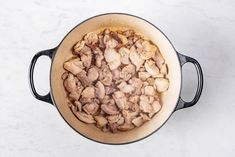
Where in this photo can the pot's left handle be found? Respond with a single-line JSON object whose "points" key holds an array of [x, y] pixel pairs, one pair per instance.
{"points": [[46, 98]]}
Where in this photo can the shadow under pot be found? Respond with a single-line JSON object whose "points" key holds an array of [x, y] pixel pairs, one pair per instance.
{"points": [[171, 99]]}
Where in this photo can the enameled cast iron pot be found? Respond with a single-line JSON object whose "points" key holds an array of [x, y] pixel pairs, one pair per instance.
{"points": [[171, 99]]}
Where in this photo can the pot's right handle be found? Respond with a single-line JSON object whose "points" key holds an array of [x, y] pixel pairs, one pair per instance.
{"points": [[46, 98], [181, 103]]}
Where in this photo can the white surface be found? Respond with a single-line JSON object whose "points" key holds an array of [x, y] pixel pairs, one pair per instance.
{"points": [[201, 29]]}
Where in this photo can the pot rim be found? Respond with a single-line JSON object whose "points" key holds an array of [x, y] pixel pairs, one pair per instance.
{"points": [[110, 13]]}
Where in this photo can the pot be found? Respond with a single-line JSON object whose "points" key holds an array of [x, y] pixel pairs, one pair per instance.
{"points": [[171, 99]]}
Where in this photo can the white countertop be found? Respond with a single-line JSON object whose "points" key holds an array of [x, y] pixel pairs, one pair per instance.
{"points": [[201, 29]]}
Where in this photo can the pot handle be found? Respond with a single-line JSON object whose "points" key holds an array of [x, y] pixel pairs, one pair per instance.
{"points": [[181, 103], [47, 97]]}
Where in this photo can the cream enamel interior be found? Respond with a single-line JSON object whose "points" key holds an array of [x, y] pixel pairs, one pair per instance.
{"points": [[169, 98]]}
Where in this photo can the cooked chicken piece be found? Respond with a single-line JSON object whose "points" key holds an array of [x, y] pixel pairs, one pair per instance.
{"points": [[88, 92], [115, 36], [125, 88], [114, 64], [145, 83], [110, 42], [96, 100], [105, 129], [120, 99], [129, 115], [112, 102], [161, 84], [99, 90], [135, 58], [111, 54], [138, 121], [143, 75], [85, 51], [124, 52], [74, 66], [134, 99], [85, 117], [127, 105], [134, 107], [91, 38], [101, 121], [156, 108], [114, 118], [130, 43], [163, 69], [93, 74], [145, 104], [137, 84], [107, 80], [123, 39], [149, 99], [112, 57], [106, 99], [106, 37], [105, 76], [147, 50], [91, 108], [106, 31], [65, 75], [127, 72], [75, 95], [113, 127], [85, 100], [109, 109], [145, 117], [86, 59], [109, 90], [138, 43], [79, 105], [98, 56], [83, 78], [116, 74], [121, 121], [128, 33], [74, 108], [149, 90], [101, 41], [125, 127], [78, 46], [136, 37], [151, 68], [85, 55], [151, 81], [159, 59], [70, 83]]}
